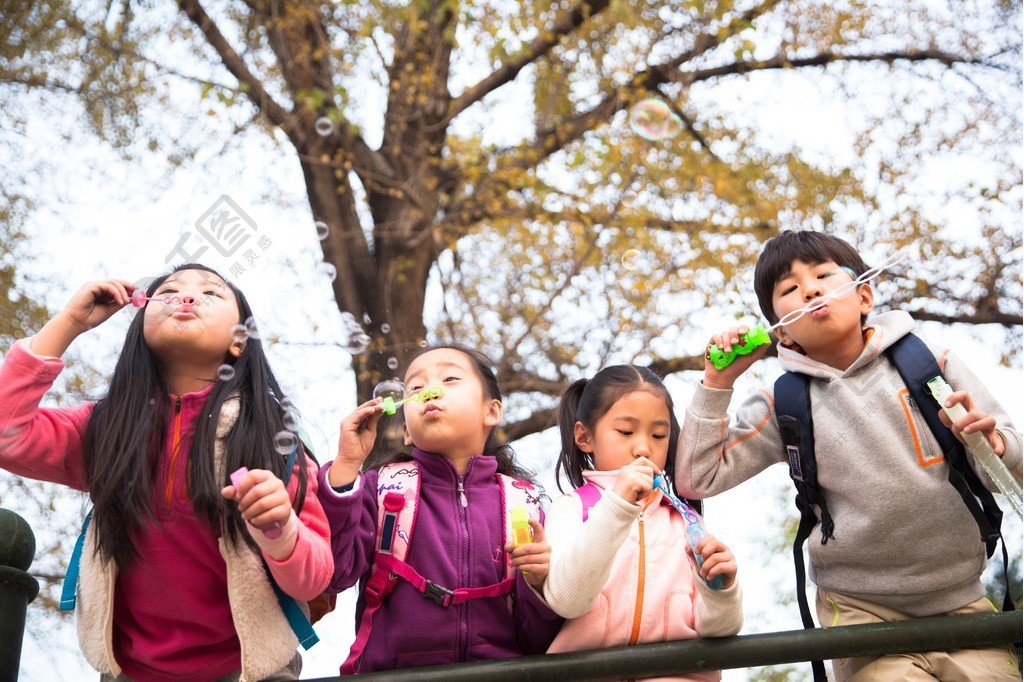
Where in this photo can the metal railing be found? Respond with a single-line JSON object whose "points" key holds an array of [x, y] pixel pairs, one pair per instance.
{"points": [[742, 651]]}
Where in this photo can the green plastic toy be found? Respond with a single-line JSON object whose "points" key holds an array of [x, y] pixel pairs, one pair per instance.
{"points": [[758, 336], [429, 393]]}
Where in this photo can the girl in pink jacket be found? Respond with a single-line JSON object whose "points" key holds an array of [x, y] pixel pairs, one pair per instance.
{"points": [[621, 568], [174, 573]]}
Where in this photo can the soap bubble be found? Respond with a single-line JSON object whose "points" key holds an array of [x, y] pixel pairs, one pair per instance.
{"points": [[225, 372], [321, 229], [240, 333], [291, 421], [251, 328], [357, 342], [324, 126], [632, 259], [385, 327], [393, 363], [653, 120], [328, 270], [390, 388], [629, 198], [285, 442]]}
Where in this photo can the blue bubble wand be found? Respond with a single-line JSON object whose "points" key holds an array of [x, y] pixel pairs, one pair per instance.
{"points": [[694, 531]]}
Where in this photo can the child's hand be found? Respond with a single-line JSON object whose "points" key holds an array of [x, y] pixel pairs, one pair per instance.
{"points": [[95, 302], [261, 497], [718, 560], [358, 431], [726, 377], [90, 306], [635, 480], [533, 558], [974, 421]]}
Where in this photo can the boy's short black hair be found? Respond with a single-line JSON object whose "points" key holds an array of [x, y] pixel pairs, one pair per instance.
{"points": [[803, 245]]}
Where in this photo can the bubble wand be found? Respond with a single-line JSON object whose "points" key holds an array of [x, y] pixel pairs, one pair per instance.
{"points": [[694, 531], [387, 390], [758, 335], [979, 445]]}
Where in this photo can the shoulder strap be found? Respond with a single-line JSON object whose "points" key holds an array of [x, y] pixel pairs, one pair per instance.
{"points": [[398, 492], [793, 413], [68, 593], [916, 364], [589, 495]]}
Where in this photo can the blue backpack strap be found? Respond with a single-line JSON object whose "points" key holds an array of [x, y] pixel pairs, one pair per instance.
{"points": [[793, 413], [589, 495], [68, 596], [297, 618]]}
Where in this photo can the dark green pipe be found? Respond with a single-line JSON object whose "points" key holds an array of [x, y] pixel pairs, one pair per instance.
{"points": [[17, 589], [743, 651]]}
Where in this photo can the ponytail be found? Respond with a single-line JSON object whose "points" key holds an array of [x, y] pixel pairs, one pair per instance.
{"points": [[571, 460]]}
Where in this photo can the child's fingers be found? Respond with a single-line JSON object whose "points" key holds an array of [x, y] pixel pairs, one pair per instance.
{"points": [[538, 530], [228, 492]]}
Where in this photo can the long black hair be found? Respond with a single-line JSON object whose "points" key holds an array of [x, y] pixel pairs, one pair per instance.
{"points": [[495, 446], [125, 437], [587, 401]]}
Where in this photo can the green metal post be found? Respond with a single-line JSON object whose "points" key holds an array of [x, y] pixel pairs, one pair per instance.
{"points": [[673, 658], [17, 589]]}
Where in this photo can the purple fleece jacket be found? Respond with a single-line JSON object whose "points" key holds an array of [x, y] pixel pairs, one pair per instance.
{"points": [[452, 545]]}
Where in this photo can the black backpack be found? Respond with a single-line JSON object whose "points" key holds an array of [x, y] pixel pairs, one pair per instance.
{"points": [[916, 365]]}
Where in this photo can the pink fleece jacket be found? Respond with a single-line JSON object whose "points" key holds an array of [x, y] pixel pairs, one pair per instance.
{"points": [[623, 576], [171, 613]]}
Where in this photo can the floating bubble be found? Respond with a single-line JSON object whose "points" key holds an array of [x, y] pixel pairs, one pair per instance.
{"points": [[653, 120], [366, 318], [287, 405], [321, 229], [251, 328], [632, 259], [423, 343], [225, 372], [285, 442], [629, 198], [324, 126], [291, 421], [385, 328], [328, 270], [239, 333], [357, 342], [393, 363]]}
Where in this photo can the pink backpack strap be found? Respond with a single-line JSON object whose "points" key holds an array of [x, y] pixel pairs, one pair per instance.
{"points": [[589, 495], [398, 489]]}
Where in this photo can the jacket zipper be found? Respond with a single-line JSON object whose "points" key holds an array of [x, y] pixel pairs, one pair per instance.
{"points": [[463, 607], [638, 611], [175, 440]]}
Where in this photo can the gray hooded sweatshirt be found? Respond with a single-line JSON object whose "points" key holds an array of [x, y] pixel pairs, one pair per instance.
{"points": [[903, 537]]}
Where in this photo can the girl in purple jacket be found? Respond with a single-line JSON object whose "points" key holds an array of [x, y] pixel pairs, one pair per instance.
{"points": [[460, 527]]}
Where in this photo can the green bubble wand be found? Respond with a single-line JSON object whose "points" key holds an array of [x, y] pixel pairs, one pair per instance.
{"points": [[758, 335], [429, 393]]}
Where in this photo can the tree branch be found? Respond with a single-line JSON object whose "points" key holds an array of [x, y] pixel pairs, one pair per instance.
{"points": [[254, 88], [823, 59], [541, 45]]}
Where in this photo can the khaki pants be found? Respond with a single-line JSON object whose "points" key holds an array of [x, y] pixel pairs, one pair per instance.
{"points": [[966, 665]]}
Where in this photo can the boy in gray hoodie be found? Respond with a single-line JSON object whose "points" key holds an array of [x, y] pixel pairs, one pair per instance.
{"points": [[905, 545]]}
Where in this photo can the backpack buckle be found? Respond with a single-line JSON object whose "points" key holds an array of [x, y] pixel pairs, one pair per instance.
{"points": [[441, 596]]}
